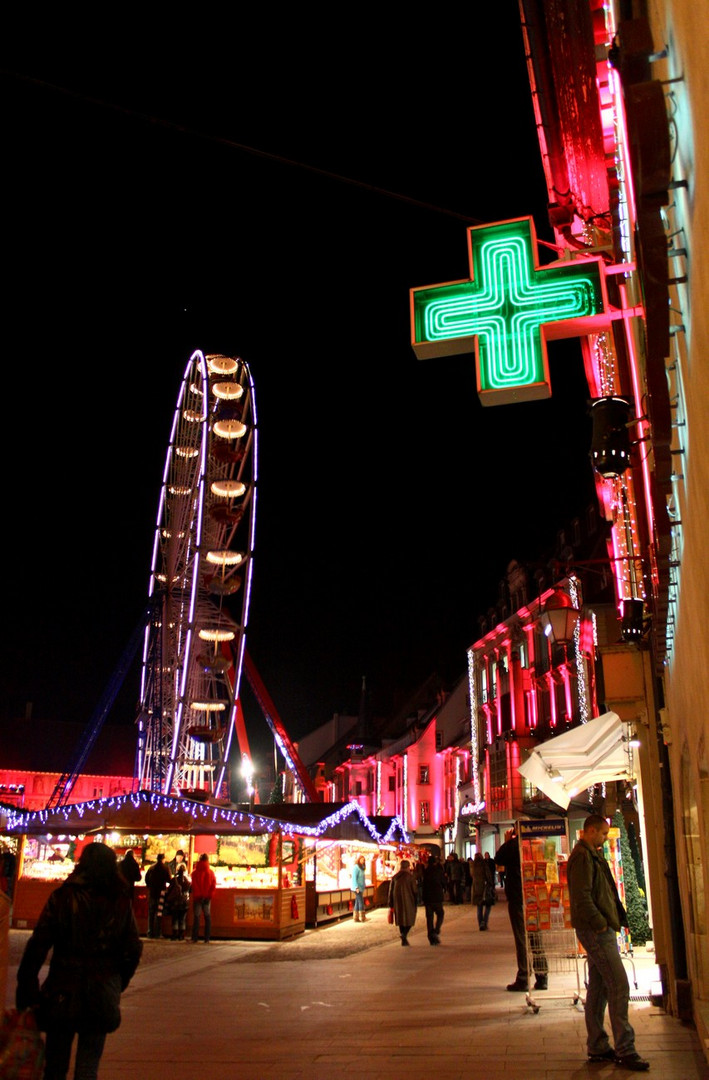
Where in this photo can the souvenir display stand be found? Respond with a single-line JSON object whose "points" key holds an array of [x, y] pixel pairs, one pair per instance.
{"points": [[550, 938]]}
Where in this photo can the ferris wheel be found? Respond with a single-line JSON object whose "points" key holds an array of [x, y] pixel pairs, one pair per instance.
{"points": [[200, 582]]}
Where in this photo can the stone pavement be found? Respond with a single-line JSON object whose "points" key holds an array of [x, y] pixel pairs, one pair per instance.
{"points": [[346, 1000]]}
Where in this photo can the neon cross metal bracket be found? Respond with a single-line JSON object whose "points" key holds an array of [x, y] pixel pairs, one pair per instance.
{"points": [[508, 310]]}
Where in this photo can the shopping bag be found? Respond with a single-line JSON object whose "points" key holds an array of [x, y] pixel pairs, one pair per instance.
{"points": [[390, 915], [21, 1046]]}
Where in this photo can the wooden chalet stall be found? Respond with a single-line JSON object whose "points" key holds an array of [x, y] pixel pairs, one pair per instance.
{"points": [[329, 855], [267, 864]]}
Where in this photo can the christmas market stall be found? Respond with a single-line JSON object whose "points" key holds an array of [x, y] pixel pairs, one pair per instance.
{"points": [[329, 855], [277, 869]]}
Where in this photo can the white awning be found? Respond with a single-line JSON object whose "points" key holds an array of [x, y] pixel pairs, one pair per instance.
{"points": [[592, 753]]}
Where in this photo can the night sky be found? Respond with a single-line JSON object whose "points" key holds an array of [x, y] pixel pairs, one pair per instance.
{"points": [[138, 227]]}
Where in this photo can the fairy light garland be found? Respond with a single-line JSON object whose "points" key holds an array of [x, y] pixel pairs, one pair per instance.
{"points": [[581, 673], [199, 812], [474, 747]]}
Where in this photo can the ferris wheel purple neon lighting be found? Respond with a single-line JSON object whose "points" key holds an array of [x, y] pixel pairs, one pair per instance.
{"points": [[200, 581]]}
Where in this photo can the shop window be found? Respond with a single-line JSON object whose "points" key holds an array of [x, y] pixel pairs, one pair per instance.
{"points": [[424, 813], [498, 776], [506, 712]]}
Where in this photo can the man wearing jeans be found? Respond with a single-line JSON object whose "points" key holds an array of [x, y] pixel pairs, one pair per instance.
{"points": [[204, 884], [597, 915]]}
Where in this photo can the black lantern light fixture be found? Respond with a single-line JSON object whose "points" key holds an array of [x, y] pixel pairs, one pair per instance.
{"points": [[610, 440], [632, 614]]}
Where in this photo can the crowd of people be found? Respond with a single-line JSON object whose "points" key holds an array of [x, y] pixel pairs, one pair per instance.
{"points": [[596, 914], [89, 927], [170, 888]]}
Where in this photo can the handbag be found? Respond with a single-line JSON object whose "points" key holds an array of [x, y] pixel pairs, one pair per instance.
{"points": [[21, 1046], [390, 915]]}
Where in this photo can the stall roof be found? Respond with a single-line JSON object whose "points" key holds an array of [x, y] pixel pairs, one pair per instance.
{"points": [[592, 753], [143, 812]]}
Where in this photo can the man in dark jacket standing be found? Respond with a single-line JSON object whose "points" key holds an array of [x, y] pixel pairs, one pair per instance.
{"points": [[157, 878], [507, 860], [434, 887], [597, 915], [130, 869]]}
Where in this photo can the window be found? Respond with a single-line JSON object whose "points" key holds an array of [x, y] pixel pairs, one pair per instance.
{"points": [[424, 777], [392, 783], [424, 813], [498, 777], [358, 787]]}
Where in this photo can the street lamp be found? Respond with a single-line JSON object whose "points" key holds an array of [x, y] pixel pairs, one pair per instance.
{"points": [[247, 771], [559, 618]]}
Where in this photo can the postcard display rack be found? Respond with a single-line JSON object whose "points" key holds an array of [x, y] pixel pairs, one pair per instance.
{"points": [[550, 938]]}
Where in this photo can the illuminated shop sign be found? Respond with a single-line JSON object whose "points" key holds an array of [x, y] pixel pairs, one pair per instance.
{"points": [[508, 310]]}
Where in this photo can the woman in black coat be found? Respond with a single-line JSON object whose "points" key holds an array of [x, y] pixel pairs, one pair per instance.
{"points": [[89, 925], [483, 890], [402, 898]]}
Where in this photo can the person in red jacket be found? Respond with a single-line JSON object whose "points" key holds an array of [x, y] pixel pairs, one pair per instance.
{"points": [[204, 884]]}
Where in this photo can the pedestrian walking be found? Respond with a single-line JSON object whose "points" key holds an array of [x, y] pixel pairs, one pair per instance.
{"points": [[402, 898], [89, 926], [597, 916], [483, 889], [434, 887], [454, 870]]}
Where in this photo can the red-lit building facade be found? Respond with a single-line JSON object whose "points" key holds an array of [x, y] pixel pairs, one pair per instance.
{"points": [[416, 775], [526, 687], [619, 99]]}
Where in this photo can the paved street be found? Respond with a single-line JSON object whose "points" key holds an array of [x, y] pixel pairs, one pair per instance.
{"points": [[348, 1000]]}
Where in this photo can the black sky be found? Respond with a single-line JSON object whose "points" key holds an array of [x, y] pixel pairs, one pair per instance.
{"points": [[137, 229]]}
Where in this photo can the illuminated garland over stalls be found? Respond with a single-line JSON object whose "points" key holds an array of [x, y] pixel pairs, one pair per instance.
{"points": [[58, 818]]}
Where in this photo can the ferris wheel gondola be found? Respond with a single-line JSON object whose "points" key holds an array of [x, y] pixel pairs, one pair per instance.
{"points": [[200, 581]]}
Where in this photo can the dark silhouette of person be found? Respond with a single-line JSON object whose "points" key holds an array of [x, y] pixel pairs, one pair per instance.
{"points": [[157, 879], [508, 858], [88, 924], [434, 888], [402, 898], [483, 888], [130, 869]]}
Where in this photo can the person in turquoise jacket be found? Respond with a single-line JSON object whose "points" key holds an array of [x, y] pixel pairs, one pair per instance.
{"points": [[358, 884]]}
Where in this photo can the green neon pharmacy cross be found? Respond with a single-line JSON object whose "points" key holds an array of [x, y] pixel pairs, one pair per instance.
{"points": [[508, 310]]}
